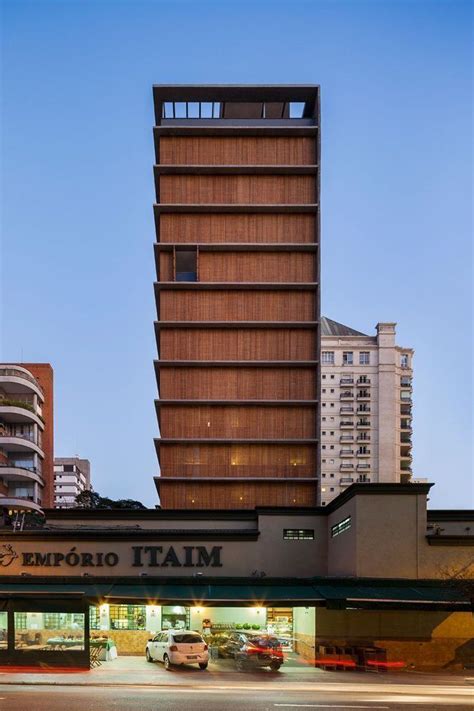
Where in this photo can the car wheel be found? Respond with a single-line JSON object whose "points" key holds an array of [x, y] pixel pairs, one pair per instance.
{"points": [[239, 663], [274, 666], [203, 665], [166, 662], [148, 656]]}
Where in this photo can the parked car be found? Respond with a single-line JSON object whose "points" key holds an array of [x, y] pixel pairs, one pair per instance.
{"points": [[178, 647], [253, 650]]}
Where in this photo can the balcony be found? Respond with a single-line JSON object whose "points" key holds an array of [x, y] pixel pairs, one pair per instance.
{"points": [[15, 504], [363, 380], [346, 438], [363, 425], [346, 381], [19, 443], [346, 453], [363, 437], [363, 466], [363, 454], [10, 472], [405, 382], [346, 465], [346, 424], [15, 380], [405, 439], [346, 481], [363, 408], [347, 395], [16, 411], [363, 395], [363, 479], [346, 408]]}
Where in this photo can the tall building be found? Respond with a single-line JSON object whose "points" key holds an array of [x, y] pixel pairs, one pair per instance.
{"points": [[26, 436], [237, 296], [72, 476], [366, 408]]}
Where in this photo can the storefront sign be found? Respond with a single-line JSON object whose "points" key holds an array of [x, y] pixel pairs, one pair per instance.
{"points": [[139, 557]]}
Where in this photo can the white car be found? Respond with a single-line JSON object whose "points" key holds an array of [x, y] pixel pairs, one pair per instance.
{"points": [[178, 647]]}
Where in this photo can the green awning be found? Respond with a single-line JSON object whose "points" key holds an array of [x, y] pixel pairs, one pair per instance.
{"points": [[341, 593], [395, 594]]}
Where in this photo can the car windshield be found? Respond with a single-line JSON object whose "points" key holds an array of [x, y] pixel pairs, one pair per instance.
{"points": [[261, 641], [187, 638]]}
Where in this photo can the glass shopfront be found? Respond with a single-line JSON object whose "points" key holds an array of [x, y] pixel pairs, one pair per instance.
{"points": [[3, 630], [49, 631], [33, 631]]}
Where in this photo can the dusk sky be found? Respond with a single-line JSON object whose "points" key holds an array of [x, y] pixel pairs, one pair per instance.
{"points": [[77, 195]]}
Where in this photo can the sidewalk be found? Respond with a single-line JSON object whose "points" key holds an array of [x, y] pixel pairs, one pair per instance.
{"points": [[135, 671]]}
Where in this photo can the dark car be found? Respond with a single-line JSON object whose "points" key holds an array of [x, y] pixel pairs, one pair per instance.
{"points": [[253, 650]]}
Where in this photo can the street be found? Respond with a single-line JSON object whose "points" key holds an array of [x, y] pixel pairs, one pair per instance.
{"points": [[89, 698]]}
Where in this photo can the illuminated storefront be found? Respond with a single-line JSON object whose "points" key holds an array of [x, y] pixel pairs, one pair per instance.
{"points": [[309, 576]]}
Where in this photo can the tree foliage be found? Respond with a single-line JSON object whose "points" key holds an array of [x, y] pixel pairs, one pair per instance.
{"points": [[93, 500]]}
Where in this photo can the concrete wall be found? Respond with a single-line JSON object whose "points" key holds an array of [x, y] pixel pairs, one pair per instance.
{"points": [[427, 640], [342, 549], [304, 631]]}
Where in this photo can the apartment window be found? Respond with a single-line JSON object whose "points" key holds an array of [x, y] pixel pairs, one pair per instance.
{"points": [[405, 395], [348, 358], [324, 377], [404, 360], [332, 377], [405, 381], [332, 390], [298, 534], [327, 357], [340, 527], [331, 433], [332, 476], [323, 446], [324, 390], [323, 432], [364, 358], [186, 265]]}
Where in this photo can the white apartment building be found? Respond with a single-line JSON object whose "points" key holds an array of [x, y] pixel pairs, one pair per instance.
{"points": [[71, 477], [366, 408]]}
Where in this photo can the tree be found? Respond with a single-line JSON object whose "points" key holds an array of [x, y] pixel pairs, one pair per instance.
{"points": [[90, 499]]}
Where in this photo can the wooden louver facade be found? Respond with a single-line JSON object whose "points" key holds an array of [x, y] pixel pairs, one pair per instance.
{"points": [[237, 295]]}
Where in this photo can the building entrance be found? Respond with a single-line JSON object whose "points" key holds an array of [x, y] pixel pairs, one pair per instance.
{"points": [[128, 628]]}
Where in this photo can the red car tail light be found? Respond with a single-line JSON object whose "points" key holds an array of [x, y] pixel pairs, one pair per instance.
{"points": [[173, 648]]}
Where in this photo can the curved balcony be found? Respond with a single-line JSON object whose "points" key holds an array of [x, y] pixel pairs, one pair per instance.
{"points": [[19, 380], [9, 472], [13, 503], [19, 444], [18, 412]]}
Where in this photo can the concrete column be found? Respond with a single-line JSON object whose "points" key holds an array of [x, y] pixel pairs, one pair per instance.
{"points": [[387, 404], [153, 618]]}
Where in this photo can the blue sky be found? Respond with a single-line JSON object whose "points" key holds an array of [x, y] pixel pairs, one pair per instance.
{"points": [[77, 194]]}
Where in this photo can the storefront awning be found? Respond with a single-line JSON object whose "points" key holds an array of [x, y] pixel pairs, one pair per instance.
{"points": [[339, 593]]}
